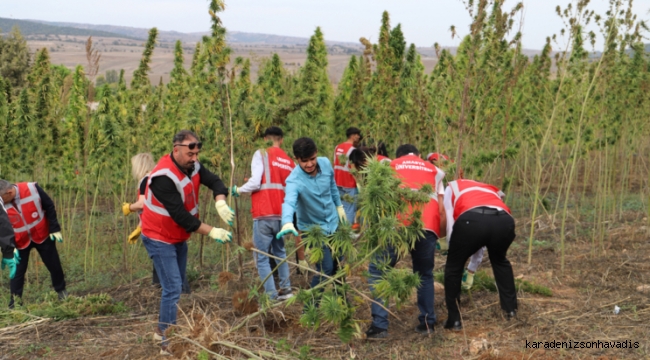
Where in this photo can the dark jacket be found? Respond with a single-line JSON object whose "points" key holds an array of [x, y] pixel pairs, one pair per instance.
{"points": [[165, 191], [7, 238]]}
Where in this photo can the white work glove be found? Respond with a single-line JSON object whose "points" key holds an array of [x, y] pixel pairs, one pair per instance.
{"points": [[225, 212], [56, 236], [286, 229], [220, 235], [342, 216]]}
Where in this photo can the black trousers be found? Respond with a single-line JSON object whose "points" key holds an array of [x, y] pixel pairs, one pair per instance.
{"points": [[50, 256], [471, 232]]}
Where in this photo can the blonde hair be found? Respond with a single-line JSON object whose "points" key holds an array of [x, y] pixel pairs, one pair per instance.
{"points": [[141, 165]]}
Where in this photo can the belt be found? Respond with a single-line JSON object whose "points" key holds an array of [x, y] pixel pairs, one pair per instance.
{"points": [[487, 211]]}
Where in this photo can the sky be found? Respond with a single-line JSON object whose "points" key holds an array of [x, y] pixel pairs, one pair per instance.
{"points": [[424, 22]]}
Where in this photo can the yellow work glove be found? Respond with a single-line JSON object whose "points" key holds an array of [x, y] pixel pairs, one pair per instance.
{"points": [[303, 263], [126, 209], [342, 216], [225, 212], [56, 236], [220, 235], [133, 237], [468, 280]]}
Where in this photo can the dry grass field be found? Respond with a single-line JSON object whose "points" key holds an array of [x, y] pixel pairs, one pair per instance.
{"points": [[120, 53]]}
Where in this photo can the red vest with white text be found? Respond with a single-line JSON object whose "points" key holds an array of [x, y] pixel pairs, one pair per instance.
{"points": [[157, 224], [469, 194], [414, 173], [267, 201], [27, 217], [342, 174]]}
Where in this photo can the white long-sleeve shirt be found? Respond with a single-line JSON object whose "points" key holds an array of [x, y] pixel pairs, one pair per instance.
{"points": [[257, 171]]}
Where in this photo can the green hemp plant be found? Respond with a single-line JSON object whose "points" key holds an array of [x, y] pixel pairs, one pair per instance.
{"points": [[381, 200]]}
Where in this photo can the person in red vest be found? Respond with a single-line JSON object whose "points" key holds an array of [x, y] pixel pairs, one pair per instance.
{"points": [[170, 216], [345, 182], [7, 243], [414, 173], [33, 218], [269, 171], [477, 217], [435, 158]]}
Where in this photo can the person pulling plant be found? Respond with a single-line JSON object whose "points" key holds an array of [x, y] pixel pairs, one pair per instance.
{"points": [[477, 217], [269, 171], [170, 216], [33, 217], [8, 243], [345, 181], [414, 174], [311, 192]]}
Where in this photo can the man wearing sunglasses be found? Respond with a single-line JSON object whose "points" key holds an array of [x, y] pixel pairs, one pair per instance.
{"points": [[170, 216]]}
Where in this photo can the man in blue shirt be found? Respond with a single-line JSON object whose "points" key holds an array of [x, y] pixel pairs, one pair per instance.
{"points": [[311, 192]]}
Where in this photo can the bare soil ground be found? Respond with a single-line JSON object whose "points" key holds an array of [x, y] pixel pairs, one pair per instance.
{"points": [[581, 309], [125, 54]]}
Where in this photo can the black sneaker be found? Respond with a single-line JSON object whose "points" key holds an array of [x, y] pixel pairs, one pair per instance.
{"points": [[424, 329], [376, 333]]}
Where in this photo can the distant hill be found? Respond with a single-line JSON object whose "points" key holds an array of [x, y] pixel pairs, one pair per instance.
{"points": [[171, 36], [28, 27]]}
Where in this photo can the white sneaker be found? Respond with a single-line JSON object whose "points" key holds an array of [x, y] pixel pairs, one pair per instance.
{"points": [[285, 294], [165, 350], [157, 336]]}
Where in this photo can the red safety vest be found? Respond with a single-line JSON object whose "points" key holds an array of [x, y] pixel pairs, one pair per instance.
{"points": [[416, 172], [156, 222], [267, 201], [342, 174], [469, 194], [382, 158], [28, 219]]}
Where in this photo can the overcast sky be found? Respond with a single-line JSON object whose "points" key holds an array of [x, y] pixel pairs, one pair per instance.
{"points": [[424, 22]]}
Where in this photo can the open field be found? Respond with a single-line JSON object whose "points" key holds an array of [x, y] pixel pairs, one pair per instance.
{"points": [[125, 54], [580, 309], [563, 134]]}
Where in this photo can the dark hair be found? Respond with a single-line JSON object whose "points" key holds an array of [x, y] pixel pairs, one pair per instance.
{"points": [[405, 150], [358, 157], [352, 131], [381, 149], [183, 135], [304, 148], [273, 131]]}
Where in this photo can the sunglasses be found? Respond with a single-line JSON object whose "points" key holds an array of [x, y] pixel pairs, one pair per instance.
{"points": [[192, 145]]}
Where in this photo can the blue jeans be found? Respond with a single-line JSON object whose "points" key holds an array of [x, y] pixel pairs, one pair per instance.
{"points": [[328, 266], [170, 262], [264, 232], [350, 208], [422, 256]]}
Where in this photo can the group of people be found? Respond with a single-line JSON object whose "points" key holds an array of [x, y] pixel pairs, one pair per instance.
{"points": [[317, 192], [288, 194]]}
